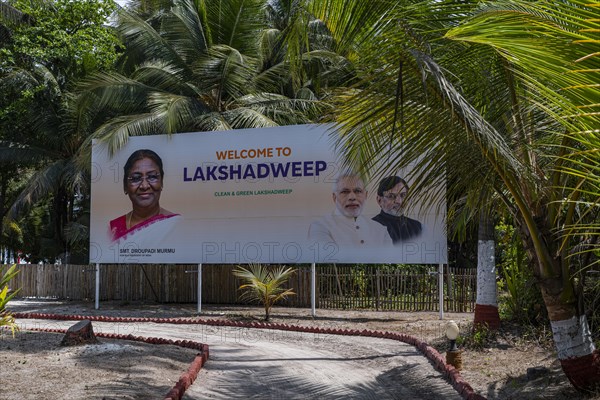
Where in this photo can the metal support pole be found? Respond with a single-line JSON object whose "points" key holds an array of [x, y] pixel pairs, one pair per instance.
{"points": [[441, 289], [199, 289], [313, 286], [97, 302]]}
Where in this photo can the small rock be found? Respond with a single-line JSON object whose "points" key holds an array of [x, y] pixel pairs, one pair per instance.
{"points": [[536, 372]]}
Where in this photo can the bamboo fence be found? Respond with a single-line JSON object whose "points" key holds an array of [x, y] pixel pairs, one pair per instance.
{"points": [[337, 286]]}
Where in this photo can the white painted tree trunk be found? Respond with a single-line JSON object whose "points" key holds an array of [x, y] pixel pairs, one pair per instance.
{"points": [[486, 273], [572, 337], [578, 356], [486, 307]]}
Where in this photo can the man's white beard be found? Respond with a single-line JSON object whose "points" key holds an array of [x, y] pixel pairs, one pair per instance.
{"points": [[396, 212]]}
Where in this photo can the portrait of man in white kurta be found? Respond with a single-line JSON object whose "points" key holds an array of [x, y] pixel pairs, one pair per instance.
{"points": [[345, 226]]}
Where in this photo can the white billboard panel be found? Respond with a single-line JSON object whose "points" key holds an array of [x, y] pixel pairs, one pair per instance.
{"points": [[271, 195]]}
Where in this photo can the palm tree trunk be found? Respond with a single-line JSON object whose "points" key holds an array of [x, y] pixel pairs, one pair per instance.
{"points": [[486, 306], [577, 354], [575, 347], [267, 310]]}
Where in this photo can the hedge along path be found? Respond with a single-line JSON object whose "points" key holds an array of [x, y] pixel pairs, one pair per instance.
{"points": [[451, 374]]}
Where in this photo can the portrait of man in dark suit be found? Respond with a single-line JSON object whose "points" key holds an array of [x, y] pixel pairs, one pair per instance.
{"points": [[391, 193]]}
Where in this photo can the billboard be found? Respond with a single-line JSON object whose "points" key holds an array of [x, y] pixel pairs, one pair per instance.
{"points": [[269, 195]]}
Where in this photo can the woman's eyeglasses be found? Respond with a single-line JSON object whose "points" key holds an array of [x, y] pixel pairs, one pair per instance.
{"points": [[136, 180]]}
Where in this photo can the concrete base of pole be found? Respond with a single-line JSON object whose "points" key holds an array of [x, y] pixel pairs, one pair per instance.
{"points": [[454, 358]]}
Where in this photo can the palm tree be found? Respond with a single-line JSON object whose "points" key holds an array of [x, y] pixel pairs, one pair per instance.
{"points": [[263, 285], [196, 66], [543, 92], [491, 97]]}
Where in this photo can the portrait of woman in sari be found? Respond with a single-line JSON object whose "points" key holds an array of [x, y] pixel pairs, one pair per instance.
{"points": [[147, 222]]}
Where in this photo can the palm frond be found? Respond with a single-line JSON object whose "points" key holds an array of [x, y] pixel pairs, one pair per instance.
{"points": [[116, 132], [185, 29], [212, 121], [350, 23], [42, 183], [225, 70], [110, 92], [143, 41], [545, 50], [173, 113], [236, 23], [162, 76], [241, 118], [77, 234]]}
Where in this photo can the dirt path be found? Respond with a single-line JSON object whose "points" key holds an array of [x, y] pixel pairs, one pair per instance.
{"points": [[256, 363], [499, 371], [328, 367]]}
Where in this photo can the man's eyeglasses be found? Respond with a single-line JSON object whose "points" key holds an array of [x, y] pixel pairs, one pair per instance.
{"points": [[136, 180], [394, 196]]}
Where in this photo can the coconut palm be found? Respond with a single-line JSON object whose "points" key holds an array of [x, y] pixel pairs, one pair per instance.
{"points": [[548, 83], [197, 66], [491, 97], [263, 284]]}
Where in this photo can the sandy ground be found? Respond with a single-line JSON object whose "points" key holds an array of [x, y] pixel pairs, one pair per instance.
{"points": [[252, 363], [34, 366]]}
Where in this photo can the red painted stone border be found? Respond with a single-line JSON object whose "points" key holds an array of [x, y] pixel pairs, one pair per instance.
{"points": [[450, 373]]}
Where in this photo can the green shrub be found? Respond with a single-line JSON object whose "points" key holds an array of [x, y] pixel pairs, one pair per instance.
{"points": [[479, 338], [520, 299]]}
